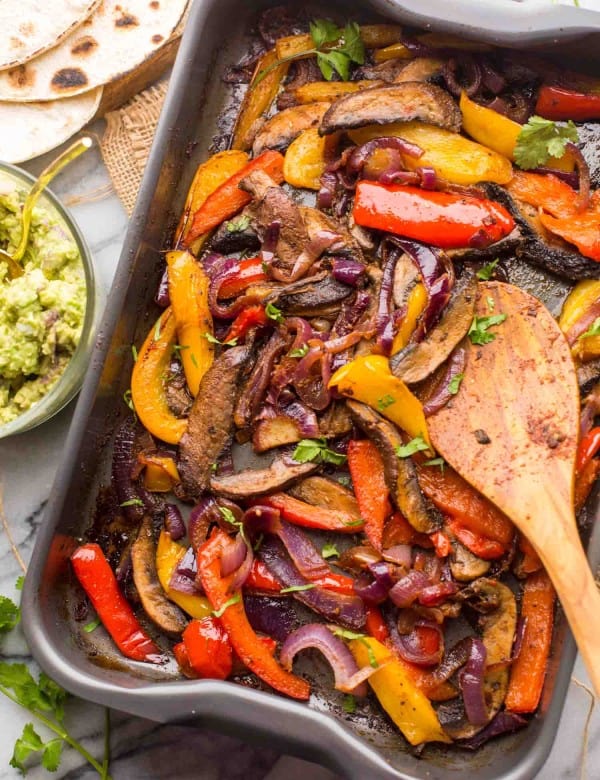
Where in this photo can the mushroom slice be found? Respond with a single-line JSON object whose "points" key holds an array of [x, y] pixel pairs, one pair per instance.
{"points": [[400, 473], [465, 566], [418, 361], [398, 103], [327, 493], [419, 69], [257, 482], [167, 616], [279, 131]]}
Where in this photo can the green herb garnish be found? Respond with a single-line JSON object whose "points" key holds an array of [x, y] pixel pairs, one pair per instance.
{"points": [[385, 401], [229, 517], [214, 340], [230, 602], [418, 444], [92, 626], [298, 588], [593, 330], [238, 225], [478, 332], [128, 400], [540, 139], [300, 352], [273, 313], [454, 384], [134, 353], [362, 638], [20, 582], [349, 703], [436, 462], [10, 614], [133, 502], [330, 551], [317, 450], [486, 273], [157, 330]]}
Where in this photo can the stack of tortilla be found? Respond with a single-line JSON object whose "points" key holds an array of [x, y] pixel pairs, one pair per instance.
{"points": [[56, 56]]}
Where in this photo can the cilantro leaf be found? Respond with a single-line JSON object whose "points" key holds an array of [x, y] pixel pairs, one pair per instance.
{"points": [[486, 273], [353, 46], [54, 696], [344, 480], [214, 340], [385, 401], [593, 330], [134, 353], [20, 582], [330, 551], [298, 588], [478, 332], [324, 31], [349, 703], [273, 313], [300, 352], [10, 614], [133, 502], [28, 743], [52, 754], [351, 635], [418, 444], [317, 450], [230, 602], [540, 139], [92, 625], [334, 62], [238, 225], [436, 462], [454, 384]]}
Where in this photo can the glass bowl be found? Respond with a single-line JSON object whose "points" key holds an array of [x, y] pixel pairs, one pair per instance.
{"points": [[69, 383]]}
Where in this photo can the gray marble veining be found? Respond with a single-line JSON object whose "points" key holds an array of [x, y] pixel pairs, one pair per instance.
{"points": [[143, 749]]}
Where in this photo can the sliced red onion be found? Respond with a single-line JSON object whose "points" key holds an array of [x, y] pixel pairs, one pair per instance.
{"points": [[583, 199], [347, 271], [519, 636], [344, 343], [471, 684], [349, 611], [241, 574], [275, 617], [319, 243], [441, 393], [375, 592], [202, 515], [453, 660], [318, 636], [183, 579], [400, 554], [262, 519], [326, 194], [311, 386], [305, 418], [400, 177], [361, 154], [385, 321], [490, 77], [434, 595], [123, 461], [504, 723], [472, 74], [162, 298], [224, 271], [233, 556], [583, 323], [174, 522], [212, 262], [252, 396], [569, 177], [410, 647], [269, 244], [428, 178], [346, 324], [302, 329], [406, 591], [308, 560]]}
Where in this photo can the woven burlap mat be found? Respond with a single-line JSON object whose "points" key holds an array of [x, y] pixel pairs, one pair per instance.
{"points": [[127, 140]]}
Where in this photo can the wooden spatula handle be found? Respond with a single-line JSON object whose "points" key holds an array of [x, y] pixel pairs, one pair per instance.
{"points": [[568, 568]]}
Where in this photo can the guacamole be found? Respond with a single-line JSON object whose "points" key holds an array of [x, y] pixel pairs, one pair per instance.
{"points": [[42, 311]]}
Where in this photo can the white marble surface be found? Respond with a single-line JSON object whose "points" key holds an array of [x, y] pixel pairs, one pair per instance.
{"points": [[142, 749]]}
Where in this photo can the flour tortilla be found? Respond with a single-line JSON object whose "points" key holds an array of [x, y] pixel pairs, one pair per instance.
{"points": [[30, 27], [30, 129], [117, 37]]}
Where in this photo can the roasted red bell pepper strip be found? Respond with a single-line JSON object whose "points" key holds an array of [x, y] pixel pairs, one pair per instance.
{"points": [[375, 624], [247, 272], [183, 661], [584, 482], [479, 545], [588, 447], [368, 478], [100, 584], [248, 318], [208, 648], [398, 530], [529, 668], [300, 513], [558, 103], [228, 199], [531, 560], [260, 578], [438, 218], [441, 544], [251, 651]]}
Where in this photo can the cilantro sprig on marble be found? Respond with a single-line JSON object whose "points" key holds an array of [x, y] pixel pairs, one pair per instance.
{"points": [[336, 49]]}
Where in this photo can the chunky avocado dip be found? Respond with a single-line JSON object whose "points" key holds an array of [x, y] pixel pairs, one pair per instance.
{"points": [[42, 311]]}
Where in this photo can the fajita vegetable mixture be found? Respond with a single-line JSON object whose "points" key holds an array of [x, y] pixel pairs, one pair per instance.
{"points": [[274, 488]]}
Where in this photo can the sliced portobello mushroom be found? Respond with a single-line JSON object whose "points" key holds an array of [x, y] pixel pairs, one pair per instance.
{"points": [[498, 626], [419, 69], [398, 103], [327, 493], [257, 482], [210, 422], [539, 246], [417, 361], [279, 131], [251, 397], [335, 421], [315, 296], [235, 235], [275, 432], [465, 566], [167, 616], [400, 473]]}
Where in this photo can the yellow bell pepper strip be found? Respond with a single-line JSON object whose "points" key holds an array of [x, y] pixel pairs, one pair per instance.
{"points": [[328, 91], [415, 306], [579, 313], [160, 473], [228, 199], [257, 100], [208, 177], [368, 379], [580, 299], [168, 557], [444, 219], [394, 686], [396, 51], [453, 157], [306, 158], [374, 36], [230, 610], [147, 381], [498, 132], [188, 292]]}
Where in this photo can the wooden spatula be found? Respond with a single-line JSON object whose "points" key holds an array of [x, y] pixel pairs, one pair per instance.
{"points": [[511, 431]]}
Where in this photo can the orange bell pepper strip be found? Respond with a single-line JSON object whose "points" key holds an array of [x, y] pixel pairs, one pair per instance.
{"points": [[309, 516], [584, 482], [188, 292], [583, 230], [456, 498], [250, 317], [531, 561], [441, 544], [248, 271], [160, 473], [398, 530], [544, 190], [442, 219], [100, 584], [147, 385], [529, 668], [479, 545], [588, 447], [557, 103], [251, 651], [209, 175], [368, 478], [208, 649], [228, 199]]}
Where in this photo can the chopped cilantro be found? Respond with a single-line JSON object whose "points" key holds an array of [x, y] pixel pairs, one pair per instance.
{"points": [[317, 450], [385, 401], [230, 602], [540, 139], [478, 332], [418, 444], [273, 313], [330, 551], [455, 383], [486, 273], [593, 330], [298, 588]]}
